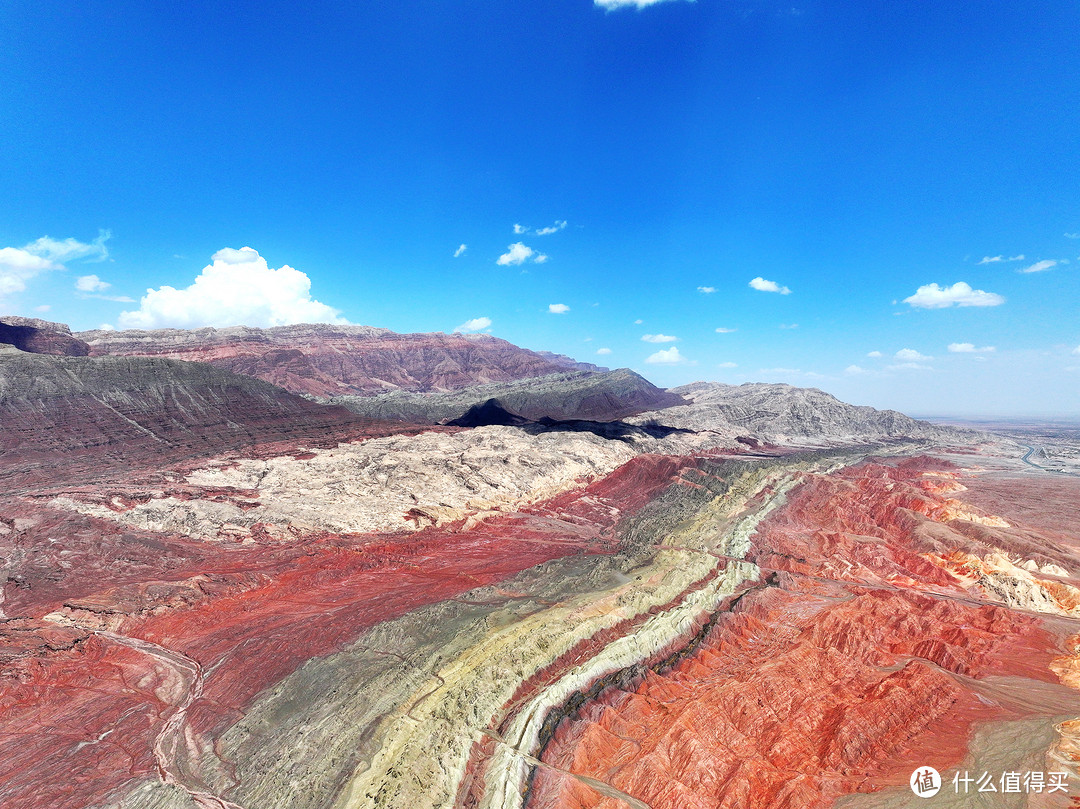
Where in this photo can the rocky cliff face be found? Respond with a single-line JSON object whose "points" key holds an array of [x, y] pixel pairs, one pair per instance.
{"points": [[782, 414], [604, 396], [325, 360], [78, 416], [40, 337]]}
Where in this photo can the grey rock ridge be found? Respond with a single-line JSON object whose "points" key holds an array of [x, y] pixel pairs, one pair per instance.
{"points": [[330, 360], [603, 396], [786, 415], [64, 417]]}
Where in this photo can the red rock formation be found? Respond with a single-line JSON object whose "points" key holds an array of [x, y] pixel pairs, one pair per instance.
{"points": [[325, 360], [829, 680], [186, 609]]}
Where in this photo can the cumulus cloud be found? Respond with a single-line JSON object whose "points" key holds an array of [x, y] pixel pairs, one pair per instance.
{"points": [[722, 330], [670, 356], [874, 354], [558, 308], [520, 229], [659, 338], [910, 354], [1040, 266], [932, 296], [461, 251], [762, 285], [238, 288], [706, 290], [611, 5], [603, 351], [854, 370], [969, 348], [519, 253], [476, 324], [90, 283]]}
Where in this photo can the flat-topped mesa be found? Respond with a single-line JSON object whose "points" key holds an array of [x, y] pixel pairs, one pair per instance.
{"points": [[783, 414], [333, 360], [40, 337]]}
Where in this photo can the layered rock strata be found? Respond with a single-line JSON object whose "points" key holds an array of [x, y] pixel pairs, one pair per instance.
{"points": [[328, 360]]}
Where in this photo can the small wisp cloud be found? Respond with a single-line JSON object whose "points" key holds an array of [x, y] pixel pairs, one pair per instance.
{"points": [[519, 253], [474, 325], [659, 338]]}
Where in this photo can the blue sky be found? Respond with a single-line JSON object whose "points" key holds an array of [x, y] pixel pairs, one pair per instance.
{"points": [[850, 153]]}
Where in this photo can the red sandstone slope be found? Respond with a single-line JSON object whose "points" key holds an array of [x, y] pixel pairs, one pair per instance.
{"points": [[326, 360], [68, 418]]}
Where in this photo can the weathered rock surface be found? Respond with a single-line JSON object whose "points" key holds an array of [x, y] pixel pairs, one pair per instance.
{"points": [[77, 417], [40, 337], [583, 395], [326, 360], [784, 415]]}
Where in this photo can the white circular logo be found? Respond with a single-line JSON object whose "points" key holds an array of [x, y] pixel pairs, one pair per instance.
{"points": [[925, 782]]}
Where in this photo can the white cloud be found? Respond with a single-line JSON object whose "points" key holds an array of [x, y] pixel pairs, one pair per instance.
{"points": [[1076, 350], [558, 308], [61, 250], [874, 354], [239, 288], [519, 253], [706, 290], [969, 348], [670, 356], [17, 266], [1040, 266], [995, 259], [762, 285], [603, 351], [909, 366], [43, 308], [932, 296], [638, 322], [910, 354], [659, 338], [789, 325], [90, 283], [854, 370], [476, 324], [727, 365], [559, 225], [520, 229], [1072, 235], [611, 5], [722, 330], [461, 251]]}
